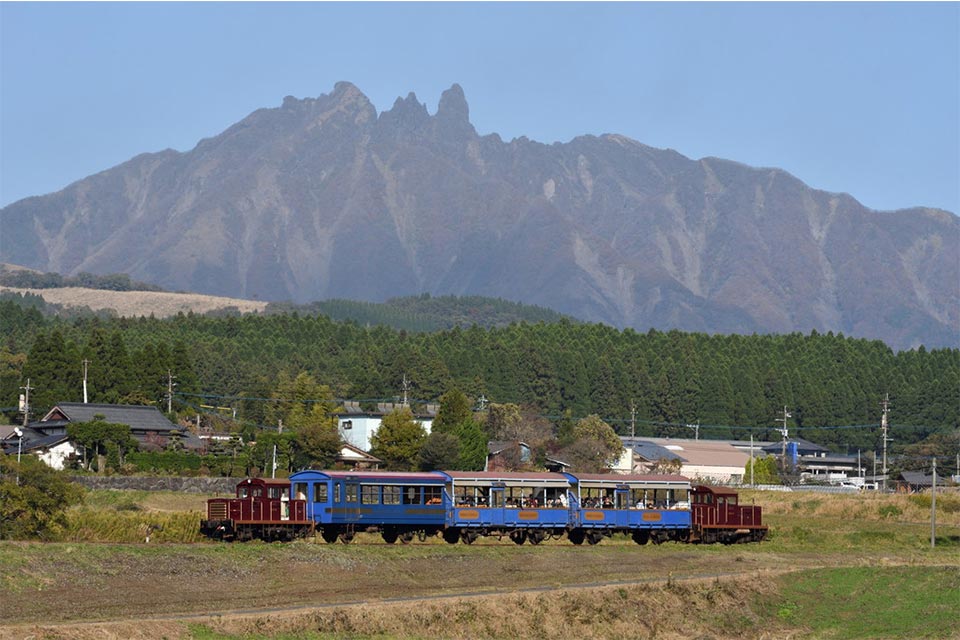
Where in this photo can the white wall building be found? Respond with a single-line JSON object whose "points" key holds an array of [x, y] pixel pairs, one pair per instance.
{"points": [[357, 427]]}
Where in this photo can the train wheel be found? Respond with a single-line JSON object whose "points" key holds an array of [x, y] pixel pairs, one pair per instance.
{"points": [[407, 537], [346, 537], [594, 537], [469, 537], [451, 535], [329, 534], [536, 537], [389, 535], [518, 537], [576, 536], [641, 536]]}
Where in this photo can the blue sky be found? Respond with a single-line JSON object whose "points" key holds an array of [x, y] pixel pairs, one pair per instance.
{"points": [[859, 98]]}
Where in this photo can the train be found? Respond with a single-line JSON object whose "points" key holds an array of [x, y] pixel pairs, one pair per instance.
{"points": [[462, 506]]}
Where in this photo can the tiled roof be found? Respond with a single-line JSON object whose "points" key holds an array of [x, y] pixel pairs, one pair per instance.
{"points": [[139, 417]]}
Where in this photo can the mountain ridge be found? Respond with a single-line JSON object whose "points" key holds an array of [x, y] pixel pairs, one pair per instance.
{"points": [[325, 198]]}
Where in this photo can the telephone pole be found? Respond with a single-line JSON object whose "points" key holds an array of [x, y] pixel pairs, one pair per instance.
{"points": [[85, 365], [933, 507], [406, 387], [784, 432], [883, 425], [26, 402], [170, 385]]}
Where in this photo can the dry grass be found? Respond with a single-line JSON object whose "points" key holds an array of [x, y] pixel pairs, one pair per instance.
{"points": [[140, 303], [635, 611], [865, 507]]}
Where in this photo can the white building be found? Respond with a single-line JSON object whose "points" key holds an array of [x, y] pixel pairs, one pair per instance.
{"points": [[357, 427], [713, 460]]}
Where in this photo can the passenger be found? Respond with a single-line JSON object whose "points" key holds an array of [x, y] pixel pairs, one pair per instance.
{"points": [[563, 500], [481, 501], [607, 502]]}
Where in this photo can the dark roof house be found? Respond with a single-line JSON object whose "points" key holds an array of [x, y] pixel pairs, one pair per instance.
{"points": [[147, 424]]}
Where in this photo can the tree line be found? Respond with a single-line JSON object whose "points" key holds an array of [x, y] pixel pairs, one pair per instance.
{"points": [[652, 383]]}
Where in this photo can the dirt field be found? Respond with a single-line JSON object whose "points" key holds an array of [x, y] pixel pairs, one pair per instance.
{"points": [[493, 589], [98, 591], [140, 303]]}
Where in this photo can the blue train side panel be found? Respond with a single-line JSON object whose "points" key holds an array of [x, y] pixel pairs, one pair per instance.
{"points": [[394, 503]]}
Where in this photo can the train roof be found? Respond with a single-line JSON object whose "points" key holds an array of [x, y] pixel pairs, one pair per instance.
{"points": [[627, 478], [270, 481], [370, 476], [715, 490]]}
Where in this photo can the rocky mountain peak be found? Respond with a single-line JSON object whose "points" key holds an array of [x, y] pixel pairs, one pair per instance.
{"points": [[310, 201], [453, 106]]}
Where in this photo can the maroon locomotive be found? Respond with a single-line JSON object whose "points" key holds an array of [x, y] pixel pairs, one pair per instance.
{"points": [[717, 517], [262, 509]]}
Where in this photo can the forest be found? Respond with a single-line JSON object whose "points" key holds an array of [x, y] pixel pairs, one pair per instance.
{"points": [[651, 383]]}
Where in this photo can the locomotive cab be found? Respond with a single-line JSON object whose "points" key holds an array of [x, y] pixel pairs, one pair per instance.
{"points": [[262, 508], [718, 517]]}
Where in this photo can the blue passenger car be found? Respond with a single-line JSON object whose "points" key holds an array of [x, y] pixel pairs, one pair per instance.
{"points": [[398, 505], [522, 506], [649, 507]]}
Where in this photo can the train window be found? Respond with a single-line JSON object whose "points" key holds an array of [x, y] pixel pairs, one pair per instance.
{"points": [[391, 495], [243, 492], [433, 495], [258, 492], [370, 494], [320, 492], [300, 490], [411, 495], [273, 493], [732, 500], [336, 492], [351, 493]]}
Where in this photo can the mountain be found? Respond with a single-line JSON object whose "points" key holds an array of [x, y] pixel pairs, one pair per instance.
{"points": [[326, 198]]}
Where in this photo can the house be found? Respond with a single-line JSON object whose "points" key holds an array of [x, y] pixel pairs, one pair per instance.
{"points": [[917, 481], [54, 450], [357, 426], [506, 455], [148, 426], [356, 458], [713, 460]]}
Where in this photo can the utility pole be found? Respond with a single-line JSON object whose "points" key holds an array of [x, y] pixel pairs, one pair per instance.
{"points": [[883, 425], [751, 460], [696, 430], [26, 402], [273, 474], [784, 432], [280, 425], [406, 387], [633, 433], [85, 364], [933, 507], [170, 385], [481, 403]]}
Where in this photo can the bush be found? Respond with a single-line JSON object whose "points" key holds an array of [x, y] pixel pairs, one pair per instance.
{"points": [[36, 506]]}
